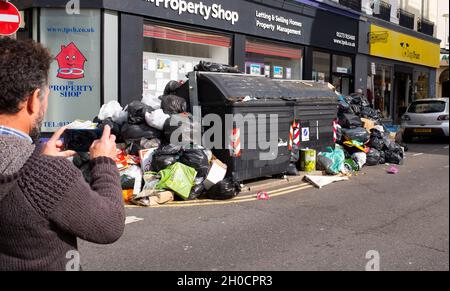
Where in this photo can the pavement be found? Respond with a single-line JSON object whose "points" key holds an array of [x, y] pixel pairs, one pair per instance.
{"points": [[403, 217]]}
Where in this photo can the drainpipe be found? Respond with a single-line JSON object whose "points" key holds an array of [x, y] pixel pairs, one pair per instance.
{"points": [[423, 10]]}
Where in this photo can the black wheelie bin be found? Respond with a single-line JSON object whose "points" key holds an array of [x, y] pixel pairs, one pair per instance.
{"points": [[316, 108], [254, 98]]}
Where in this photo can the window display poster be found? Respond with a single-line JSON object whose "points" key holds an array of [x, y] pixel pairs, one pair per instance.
{"points": [[145, 63], [152, 65], [288, 73], [75, 74], [164, 68], [164, 65], [189, 67], [174, 69], [255, 69], [278, 72]]}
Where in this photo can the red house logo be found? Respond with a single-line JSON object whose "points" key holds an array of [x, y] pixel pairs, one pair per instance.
{"points": [[71, 62]]}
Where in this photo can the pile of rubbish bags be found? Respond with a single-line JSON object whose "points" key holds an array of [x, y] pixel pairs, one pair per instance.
{"points": [[362, 139], [153, 170]]}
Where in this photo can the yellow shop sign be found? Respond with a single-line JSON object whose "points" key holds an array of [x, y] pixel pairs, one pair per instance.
{"points": [[390, 44]]}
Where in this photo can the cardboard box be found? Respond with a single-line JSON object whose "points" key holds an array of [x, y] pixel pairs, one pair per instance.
{"points": [[368, 124], [216, 174]]}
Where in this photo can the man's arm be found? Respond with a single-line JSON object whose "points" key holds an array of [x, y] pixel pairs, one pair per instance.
{"points": [[91, 212], [95, 212]]}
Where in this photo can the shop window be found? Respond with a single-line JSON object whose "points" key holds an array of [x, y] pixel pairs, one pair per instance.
{"points": [[75, 74], [171, 53], [25, 26], [421, 83], [342, 74], [342, 65], [321, 66], [273, 60], [379, 88]]}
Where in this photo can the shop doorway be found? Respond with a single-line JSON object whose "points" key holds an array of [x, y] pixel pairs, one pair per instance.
{"points": [[402, 94], [445, 89], [343, 84]]}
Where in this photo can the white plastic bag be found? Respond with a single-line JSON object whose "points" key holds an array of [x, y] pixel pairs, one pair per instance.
{"points": [[156, 119], [152, 101], [360, 158], [120, 117], [109, 110]]}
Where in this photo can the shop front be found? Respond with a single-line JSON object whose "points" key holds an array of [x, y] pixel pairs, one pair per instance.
{"points": [[125, 50], [400, 69]]}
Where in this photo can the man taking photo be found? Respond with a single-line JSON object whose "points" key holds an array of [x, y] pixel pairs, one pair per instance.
{"points": [[45, 203]]}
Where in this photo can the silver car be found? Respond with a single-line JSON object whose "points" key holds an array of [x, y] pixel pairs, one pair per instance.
{"points": [[426, 117]]}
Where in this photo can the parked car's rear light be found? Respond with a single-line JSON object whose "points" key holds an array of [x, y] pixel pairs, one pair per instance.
{"points": [[443, 117], [406, 118]]}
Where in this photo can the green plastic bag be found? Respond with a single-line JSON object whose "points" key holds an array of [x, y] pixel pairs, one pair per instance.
{"points": [[178, 178], [337, 156]]}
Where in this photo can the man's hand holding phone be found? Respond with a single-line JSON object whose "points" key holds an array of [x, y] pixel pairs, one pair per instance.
{"points": [[54, 147], [105, 146]]}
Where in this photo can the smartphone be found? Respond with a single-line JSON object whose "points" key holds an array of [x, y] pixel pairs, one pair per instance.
{"points": [[80, 140]]}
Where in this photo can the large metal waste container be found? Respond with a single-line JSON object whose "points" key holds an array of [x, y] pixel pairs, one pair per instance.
{"points": [[315, 110], [253, 98], [310, 106]]}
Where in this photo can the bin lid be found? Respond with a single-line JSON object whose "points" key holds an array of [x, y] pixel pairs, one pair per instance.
{"points": [[237, 87], [240, 87], [307, 91]]}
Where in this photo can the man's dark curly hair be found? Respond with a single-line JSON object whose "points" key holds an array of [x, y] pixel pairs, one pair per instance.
{"points": [[24, 67]]}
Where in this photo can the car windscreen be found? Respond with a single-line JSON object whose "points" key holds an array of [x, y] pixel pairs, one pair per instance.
{"points": [[424, 107]]}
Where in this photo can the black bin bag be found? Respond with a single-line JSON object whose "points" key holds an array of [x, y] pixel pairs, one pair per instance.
{"points": [[172, 104], [197, 159], [224, 190], [373, 157]]}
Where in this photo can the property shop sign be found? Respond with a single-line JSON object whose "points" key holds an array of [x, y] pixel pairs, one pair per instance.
{"points": [[257, 20], [75, 74]]}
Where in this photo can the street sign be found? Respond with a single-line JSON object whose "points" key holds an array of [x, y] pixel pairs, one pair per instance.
{"points": [[9, 18]]}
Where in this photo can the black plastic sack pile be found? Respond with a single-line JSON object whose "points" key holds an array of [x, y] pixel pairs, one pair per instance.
{"points": [[353, 109], [171, 88], [390, 151], [135, 132], [224, 190], [197, 191], [377, 140], [349, 120], [182, 128], [373, 158], [136, 112], [197, 159], [361, 107], [358, 134], [172, 104], [394, 154], [115, 127], [216, 68], [165, 157]]}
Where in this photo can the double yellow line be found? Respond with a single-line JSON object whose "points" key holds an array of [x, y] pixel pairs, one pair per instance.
{"points": [[239, 199]]}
